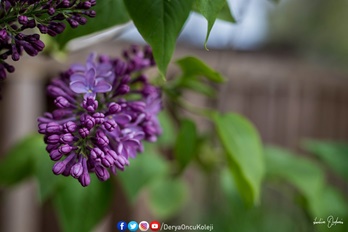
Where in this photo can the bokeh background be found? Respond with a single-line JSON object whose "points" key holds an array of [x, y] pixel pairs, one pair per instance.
{"points": [[285, 69]]}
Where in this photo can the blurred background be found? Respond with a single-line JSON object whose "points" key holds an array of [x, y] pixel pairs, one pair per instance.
{"points": [[285, 69]]}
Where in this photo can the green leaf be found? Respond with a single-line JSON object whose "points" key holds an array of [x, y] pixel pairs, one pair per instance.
{"points": [[81, 208], [48, 183], [141, 171], [186, 142], [334, 154], [167, 138], [226, 15], [108, 13], [210, 10], [308, 178], [243, 147], [167, 196], [19, 161], [193, 67], [198, 86], [160, 23]]}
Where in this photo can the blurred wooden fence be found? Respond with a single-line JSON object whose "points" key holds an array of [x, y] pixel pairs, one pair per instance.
{"points": [[288, 99]]}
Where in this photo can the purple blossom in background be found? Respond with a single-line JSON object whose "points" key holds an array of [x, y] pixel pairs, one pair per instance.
{"points": [[105, 110], [18, 15]]}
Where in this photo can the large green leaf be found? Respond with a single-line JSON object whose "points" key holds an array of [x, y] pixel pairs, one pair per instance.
{"points": [[167, 138], [226, 15], [308, 178], [167, 196], [210, 10], [160, 23], [243, 147], [108, 13], [186, 142], [141, 171], [194, 67], [48, 183], [79, 208], [334, 154], [19, 161]]}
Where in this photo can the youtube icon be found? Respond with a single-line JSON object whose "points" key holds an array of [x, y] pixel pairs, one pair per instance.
{"points": [[155, 225]]}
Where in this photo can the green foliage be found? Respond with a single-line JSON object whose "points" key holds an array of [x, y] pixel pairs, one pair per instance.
{"points": [[167, 196], [192, 67], [225, 14], [210, 10], [80, 209], [108, 13], [244, 153], [334, 154], [308, 178], [48, 183], [160, 23], [19, 162], [186, 143], [141, 172], [167, 138]]}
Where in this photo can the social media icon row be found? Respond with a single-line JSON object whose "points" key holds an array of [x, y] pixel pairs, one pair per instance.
{"points": [[134, 226]]}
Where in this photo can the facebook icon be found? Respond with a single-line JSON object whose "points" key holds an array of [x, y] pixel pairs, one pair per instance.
{"points": [[122, 226]]}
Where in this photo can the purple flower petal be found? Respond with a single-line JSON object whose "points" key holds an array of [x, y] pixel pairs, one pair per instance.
{"points": [[102, 87], [122, 119], [78, 68], [77, 77], [78, 87], [90, 78]]}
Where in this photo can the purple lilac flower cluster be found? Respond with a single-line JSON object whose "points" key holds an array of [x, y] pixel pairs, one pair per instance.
{"points": [[47, 15], [105, 109]]}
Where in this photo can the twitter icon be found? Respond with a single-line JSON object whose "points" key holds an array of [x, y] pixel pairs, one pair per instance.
{"points": [[133, 226]]}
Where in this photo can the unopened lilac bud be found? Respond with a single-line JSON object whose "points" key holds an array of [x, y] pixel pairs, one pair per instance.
{"points": [[108, 161], [42, 128], [114, 108], [61, 113], [43, 29], [15, 53], [110, 125], [65, 149], [123, 89], [102, 173], [89, 122], [90, 104], [99, 118], [58, 168], [76, 170], [52, 139], [56, 155], [111, 153], [69, 127], [90, 13], [22, 19], [51, 11], [97, 154], [51, 147], [84, 132], [85, 179], [61, 102], [73, 23], [102, 140], [38, 45], [67, 138], [30, 24]]}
